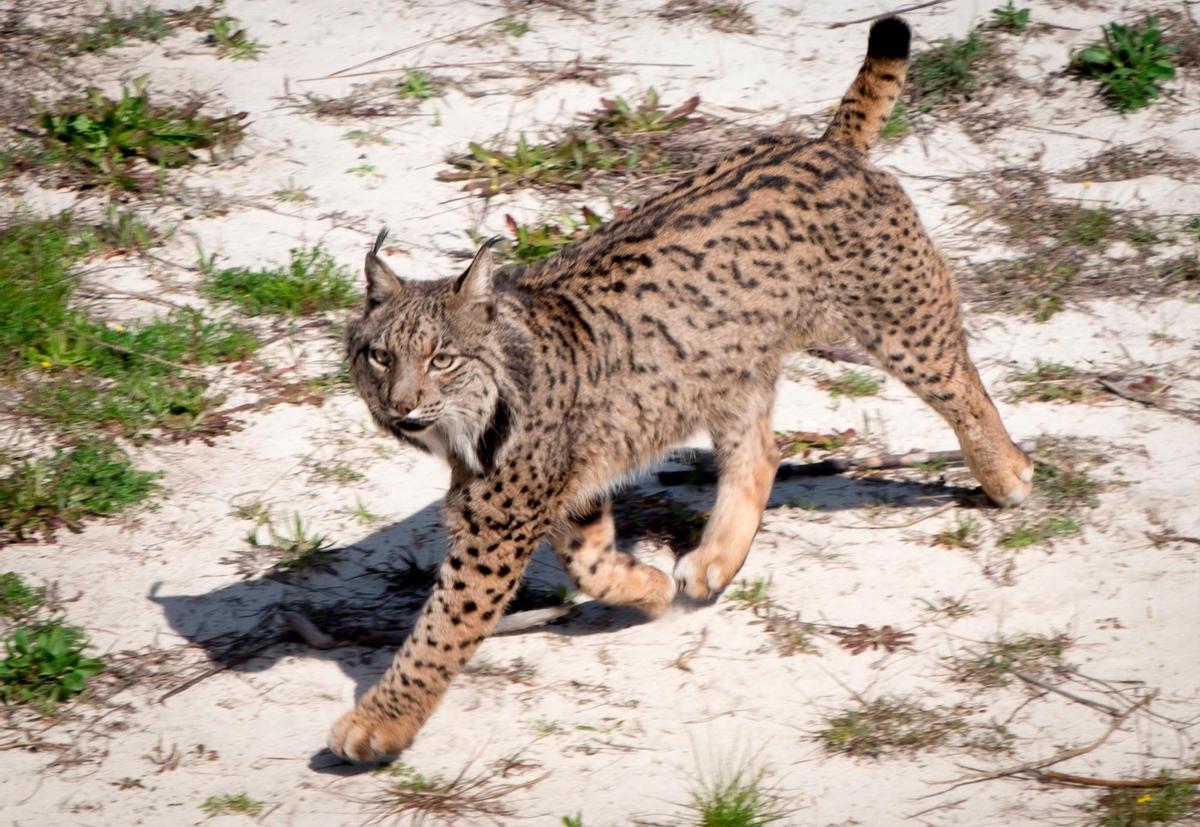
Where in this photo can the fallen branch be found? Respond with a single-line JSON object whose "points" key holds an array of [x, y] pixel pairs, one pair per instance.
{"points": [[832, 466], [1049, 687], [1056, 758], [901, 10], [1111, 783]]}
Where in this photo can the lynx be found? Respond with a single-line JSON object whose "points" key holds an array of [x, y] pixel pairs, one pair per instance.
{"points": [[541, 384]]}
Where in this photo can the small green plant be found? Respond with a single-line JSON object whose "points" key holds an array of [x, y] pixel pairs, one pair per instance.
{"points": [[111, 29], [341, 472], [363, 137], [1044, 530], [364, 170], [992, 664], [737, 797], [361, 514], [514, 27], [230, 804], [311, 282], [293, 192], [1087, 227], [802, 443], [295, 547], [44, 665], [887, 725], [93, 479], [947, 71], [852, 383], [1047, 382], [1009, 18], [18, 600], [1172, 803], [573, 821], [620, 137], [1129, 64], [751, 594], [232, 41], [1048, 308], [101, 138], [731, 16], [962, 535], [897, 122], [417, 85], [534, 243], [122, 231], [1065, 486]]}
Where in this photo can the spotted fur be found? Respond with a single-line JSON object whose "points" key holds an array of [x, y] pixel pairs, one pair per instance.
{"points": [[541, 384]]}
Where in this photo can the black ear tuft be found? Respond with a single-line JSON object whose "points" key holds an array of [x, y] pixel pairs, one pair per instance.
{"points": [[382, 283]]}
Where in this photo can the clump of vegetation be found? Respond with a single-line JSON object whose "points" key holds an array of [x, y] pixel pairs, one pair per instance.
{"points": [[1172, 803], [897, 122], [1064, 486], [1048, 528], [44, 665], [293, 546], [417, 85], [620, 138], [93, 479], [788, 633], [751, 594], [1130, 64], [103, 140], [737, 797], [458, 800], [851, 383], [992, 664], [311, 282], [1009, 18], [232, 41], [946, 72], [962, 535], [733, 16], [535, 242], [111, 29], [1047, 382], [515, 27], [804, 443], [18, 600], [82, 377], [888, 725], [230, 804]]}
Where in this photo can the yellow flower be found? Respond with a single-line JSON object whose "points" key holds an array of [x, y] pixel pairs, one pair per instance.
{"points": [[1087, 184], [45, 363], [495, 162], [120, 328], [1145, 799]]}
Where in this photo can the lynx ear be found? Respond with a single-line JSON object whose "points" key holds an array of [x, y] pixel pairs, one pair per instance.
{"points": [[382, 283], [475, 284]]}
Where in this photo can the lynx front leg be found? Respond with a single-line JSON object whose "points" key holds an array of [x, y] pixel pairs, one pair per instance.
{"points": [[747, 459], [588, 553], [489, 550]]}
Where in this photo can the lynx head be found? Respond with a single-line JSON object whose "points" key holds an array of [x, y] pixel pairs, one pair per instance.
{"points": [[439, 363]]}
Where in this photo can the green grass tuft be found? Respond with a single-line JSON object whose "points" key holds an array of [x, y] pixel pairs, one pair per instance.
{"points": [[737, 797], [93, 479], [947, 71], [852, 383], [111, 29], [103, 140], [1009, 18], [1130, 64], [1173, 803], [17, 598], [45, 665], [311, 282], [229, 804], [887, 725], [232, 41]]}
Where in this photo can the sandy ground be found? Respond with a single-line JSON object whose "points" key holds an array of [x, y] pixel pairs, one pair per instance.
{"points": [[603, 713]]}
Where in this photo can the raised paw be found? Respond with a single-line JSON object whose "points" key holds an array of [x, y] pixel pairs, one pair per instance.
{"points": [[362, 736], [702, 574], [661, 587]]}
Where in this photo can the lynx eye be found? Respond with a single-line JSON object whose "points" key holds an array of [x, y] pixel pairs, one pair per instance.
{"points": [[379, 356], [441, 361]]}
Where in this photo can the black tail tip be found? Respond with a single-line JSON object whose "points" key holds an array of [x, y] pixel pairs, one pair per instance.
{"points": [[889, 38]]}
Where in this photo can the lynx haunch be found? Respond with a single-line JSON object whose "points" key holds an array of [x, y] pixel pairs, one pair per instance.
{"points": [[542, 384]]}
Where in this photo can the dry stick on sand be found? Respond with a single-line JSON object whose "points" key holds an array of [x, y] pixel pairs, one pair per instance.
{"points": [[1111, 783], [833, 465], [1038, 764]]}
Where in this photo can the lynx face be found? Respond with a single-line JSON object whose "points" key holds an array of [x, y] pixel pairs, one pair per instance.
{"points": [[428, 361]]}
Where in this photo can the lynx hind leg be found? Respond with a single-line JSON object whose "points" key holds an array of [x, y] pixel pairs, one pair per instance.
{"points": [[586, 546], [911, 322], [747, 459]]}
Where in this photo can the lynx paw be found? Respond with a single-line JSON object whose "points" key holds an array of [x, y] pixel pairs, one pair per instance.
{"points": [[363, 737], [1010, 485], [700, 576], [663, 588]]}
